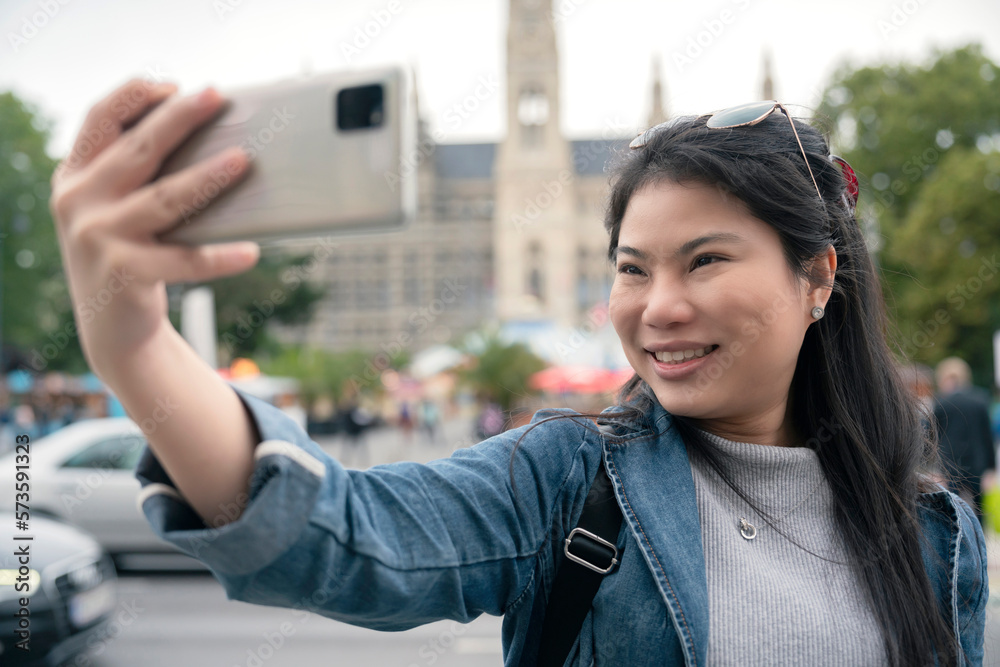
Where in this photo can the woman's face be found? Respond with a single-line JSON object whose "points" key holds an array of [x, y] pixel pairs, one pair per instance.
{"points": [[708, 311]]}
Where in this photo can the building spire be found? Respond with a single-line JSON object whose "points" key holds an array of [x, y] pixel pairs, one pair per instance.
{"points": [[658, 112], [768, 91]]}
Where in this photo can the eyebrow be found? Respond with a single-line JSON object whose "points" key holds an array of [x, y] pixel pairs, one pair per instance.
{"points": [[686, 249]]}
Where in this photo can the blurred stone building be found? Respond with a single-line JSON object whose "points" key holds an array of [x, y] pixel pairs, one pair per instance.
{"points": [[506, 232]]}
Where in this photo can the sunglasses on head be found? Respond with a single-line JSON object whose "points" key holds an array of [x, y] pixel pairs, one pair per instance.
{"points": [[747, 115]]}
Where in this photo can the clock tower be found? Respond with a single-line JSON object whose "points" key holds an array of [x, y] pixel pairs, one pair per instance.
{"points": [[535, 216]]}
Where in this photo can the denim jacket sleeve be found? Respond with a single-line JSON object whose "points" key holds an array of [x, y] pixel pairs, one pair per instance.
{"points": [[972, 584], [392, 547]]}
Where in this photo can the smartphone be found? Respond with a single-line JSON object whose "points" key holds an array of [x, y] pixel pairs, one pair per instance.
{"points": [[329, 154]]}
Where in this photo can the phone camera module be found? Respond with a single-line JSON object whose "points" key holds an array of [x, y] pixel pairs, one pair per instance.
{"points": [[360, 107]]}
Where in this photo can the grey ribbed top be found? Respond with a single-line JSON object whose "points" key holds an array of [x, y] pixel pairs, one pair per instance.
{"points": [[770, 602]]}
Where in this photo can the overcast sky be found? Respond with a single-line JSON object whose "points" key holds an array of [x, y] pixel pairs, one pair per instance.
{"points": [[63, 55]]}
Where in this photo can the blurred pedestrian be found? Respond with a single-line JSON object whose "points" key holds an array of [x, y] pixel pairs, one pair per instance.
{"points": [[920, 379], [966, 441], [25, 422], [406, 421], [65, 412], [430, 421], [289, 404], [490, 421], [995, 417], [357, 420]]}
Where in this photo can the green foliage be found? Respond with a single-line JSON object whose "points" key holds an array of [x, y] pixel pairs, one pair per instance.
{"points": [[898, 120], [501, 372], [37, 318], [274, 290], [950, 240], [340, 375], [924, 141]]}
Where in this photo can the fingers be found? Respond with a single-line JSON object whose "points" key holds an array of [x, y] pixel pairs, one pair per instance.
{"points": [[138, 154], [107, 119], [182, 264], [179, 196]]}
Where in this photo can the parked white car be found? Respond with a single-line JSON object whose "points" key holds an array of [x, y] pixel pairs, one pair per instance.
{"points": [[84, 474]]}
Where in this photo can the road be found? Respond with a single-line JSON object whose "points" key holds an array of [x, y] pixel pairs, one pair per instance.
{"points": [[385, 445], [172, 620]]}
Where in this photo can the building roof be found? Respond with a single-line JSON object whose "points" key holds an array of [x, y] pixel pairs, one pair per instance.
{"points": [[476, 160], [590, 156], [465, 160]]}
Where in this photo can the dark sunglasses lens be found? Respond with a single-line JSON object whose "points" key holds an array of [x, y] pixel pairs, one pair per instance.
{"points": [[745, 113]]}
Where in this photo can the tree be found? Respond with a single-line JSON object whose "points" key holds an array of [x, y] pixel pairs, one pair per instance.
{"points": [[953, 227], [39, 333], [924, 141], [501, 371], [339, 375], [274, 290], [893, 123]]}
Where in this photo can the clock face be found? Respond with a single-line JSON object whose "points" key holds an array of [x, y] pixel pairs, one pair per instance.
{"points": [[533, 107]]}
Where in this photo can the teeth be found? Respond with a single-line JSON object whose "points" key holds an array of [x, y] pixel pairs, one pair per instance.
{"points": [[685, 355]]}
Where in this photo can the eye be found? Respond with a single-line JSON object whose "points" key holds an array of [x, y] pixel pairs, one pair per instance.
{"points": [[630, 269], [704, 260]]}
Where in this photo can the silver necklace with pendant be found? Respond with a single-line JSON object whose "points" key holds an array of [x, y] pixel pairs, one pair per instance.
{"points": [[749, 531]]}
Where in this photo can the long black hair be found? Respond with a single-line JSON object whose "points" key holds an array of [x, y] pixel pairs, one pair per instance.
{"points": [[846, 384]]}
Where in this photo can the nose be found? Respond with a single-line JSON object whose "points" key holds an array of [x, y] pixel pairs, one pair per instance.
{"points": [[667, 303]]}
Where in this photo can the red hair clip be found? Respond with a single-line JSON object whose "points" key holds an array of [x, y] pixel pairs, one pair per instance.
{"points": [[851, 196]]}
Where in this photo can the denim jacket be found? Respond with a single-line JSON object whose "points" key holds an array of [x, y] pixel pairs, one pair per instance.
{"points": [[404, 544]]}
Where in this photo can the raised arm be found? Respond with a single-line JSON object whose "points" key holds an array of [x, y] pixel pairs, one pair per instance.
{"points": [[108, 210]]}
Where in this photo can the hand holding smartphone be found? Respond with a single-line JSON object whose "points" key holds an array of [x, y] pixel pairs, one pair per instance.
{"points": [[150, 166], [325, 150]]}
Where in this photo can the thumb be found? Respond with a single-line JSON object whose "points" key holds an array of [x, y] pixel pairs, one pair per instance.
{"points": [[226, 259], [235, 258], [179, 264]]}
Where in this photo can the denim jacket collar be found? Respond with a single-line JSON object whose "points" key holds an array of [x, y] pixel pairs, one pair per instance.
{"points": [[670, 541]]}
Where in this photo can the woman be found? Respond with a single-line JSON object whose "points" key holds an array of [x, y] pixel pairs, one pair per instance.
{"points": [[765, 457]]}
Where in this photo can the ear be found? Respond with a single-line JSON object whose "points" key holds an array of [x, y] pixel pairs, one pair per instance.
{"points": [[823, 270]]}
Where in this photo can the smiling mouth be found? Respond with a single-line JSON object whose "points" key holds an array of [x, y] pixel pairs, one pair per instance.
{"points": [[679, 357]]}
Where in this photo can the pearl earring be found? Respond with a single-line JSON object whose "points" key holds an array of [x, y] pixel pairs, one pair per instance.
{"points": [[817, 313]]}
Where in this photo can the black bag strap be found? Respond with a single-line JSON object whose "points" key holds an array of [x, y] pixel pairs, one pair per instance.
{"points": [[590, 554]]}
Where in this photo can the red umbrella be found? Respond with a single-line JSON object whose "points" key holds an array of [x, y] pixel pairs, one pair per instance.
{"points": [[578, 380], [616, 379]]}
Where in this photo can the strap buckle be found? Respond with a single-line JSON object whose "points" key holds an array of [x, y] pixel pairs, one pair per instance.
{"points": [[593, 546]]}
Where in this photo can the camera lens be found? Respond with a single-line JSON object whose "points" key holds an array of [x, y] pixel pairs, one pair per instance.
{"points": [[360, 107]]}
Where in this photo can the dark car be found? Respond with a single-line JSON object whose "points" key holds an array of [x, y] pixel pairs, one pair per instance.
{"points": [[72, 592]]}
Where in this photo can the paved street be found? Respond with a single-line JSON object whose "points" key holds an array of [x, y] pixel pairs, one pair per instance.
{"points": [[186, 620], [171, 620], [387, 444]]}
